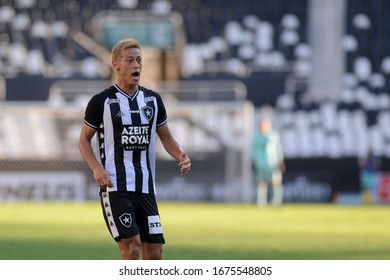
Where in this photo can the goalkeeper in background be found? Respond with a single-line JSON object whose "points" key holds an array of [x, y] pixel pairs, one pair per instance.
{"points": [[268, 161]]}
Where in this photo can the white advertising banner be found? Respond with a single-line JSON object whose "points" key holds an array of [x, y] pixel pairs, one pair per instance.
{"points": [[38, 186]]}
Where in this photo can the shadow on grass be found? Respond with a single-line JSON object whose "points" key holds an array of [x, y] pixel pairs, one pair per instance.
{"points": [[189, 253], [66, 250], [56, 250]]}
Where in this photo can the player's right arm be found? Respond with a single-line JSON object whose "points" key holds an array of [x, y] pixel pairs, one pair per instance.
{"points": [[100, 175]]}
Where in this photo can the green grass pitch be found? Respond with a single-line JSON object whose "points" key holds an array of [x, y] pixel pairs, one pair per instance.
{"points": [[202, 231]]}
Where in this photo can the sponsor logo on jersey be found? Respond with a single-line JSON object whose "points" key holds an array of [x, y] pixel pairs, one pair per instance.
{"points": [[119, 114], [113, 100], [149, 98], [154, 224], [135, 137], [126, 219]]}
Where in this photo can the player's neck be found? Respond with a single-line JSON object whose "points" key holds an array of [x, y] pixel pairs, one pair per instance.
{"points": [[129, 89]]}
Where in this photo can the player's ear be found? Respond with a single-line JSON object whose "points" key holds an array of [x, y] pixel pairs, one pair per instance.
{"points": [[115, 65]]}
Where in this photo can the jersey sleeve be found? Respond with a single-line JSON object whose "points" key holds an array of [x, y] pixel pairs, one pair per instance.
{"points": [[162, 113], [94, 112]]}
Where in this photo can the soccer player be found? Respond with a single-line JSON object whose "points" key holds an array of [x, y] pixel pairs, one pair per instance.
{"points": [[126, 118], [268, 159]]}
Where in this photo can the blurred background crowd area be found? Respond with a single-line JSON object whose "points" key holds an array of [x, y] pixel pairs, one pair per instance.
{"points": [[263, 43], [321, 66]]}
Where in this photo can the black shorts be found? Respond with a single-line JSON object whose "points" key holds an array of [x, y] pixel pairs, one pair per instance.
{"points": [[129, 213]]}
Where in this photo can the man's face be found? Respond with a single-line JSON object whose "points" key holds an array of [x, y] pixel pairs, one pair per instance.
{"points": [[265, 126], [129, 67]]}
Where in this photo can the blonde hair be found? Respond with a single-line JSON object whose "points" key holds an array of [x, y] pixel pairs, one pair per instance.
{"points": [[123, 45]]}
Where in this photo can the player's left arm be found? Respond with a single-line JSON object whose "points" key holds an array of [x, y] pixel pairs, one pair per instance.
{"points": [[173, 148]]}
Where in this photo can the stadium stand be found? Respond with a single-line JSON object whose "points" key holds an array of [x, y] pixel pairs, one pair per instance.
{"points": [[255, 42], [261, 44], [36, 35]]}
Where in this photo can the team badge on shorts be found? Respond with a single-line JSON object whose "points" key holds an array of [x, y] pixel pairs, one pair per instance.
{"points": [[126, 219]]}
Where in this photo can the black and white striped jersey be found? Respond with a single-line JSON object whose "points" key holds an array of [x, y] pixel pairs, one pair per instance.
{"points": [[126, 133]]}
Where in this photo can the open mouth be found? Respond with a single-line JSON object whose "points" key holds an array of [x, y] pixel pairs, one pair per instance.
{"points": [[136, 74]]}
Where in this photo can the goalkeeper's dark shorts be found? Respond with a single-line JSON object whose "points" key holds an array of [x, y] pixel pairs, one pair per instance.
{"points": [[128, 214]]}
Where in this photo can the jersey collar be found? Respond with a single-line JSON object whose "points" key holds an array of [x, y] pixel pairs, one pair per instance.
{"points": [[126, 94]]}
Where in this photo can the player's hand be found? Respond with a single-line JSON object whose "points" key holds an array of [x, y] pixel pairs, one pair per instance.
{"points": [[184, 164], [102, 178]]}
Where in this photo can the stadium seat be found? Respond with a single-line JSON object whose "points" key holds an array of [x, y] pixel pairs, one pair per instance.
{"points": [[223, 40]]}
